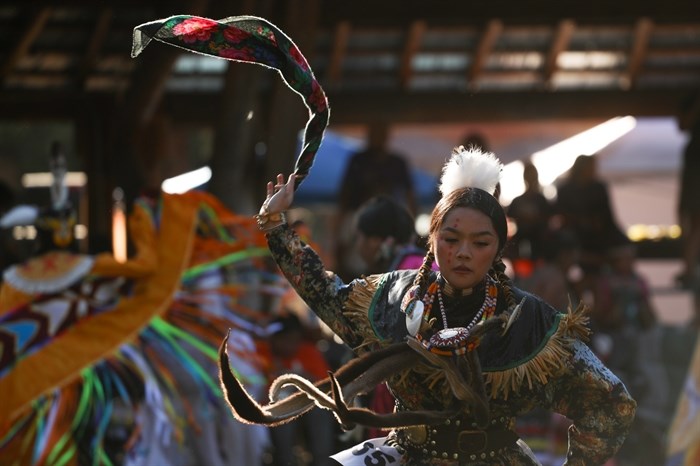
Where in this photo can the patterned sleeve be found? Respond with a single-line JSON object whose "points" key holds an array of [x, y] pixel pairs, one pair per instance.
{"points": [[597, 402], [322, 291]]}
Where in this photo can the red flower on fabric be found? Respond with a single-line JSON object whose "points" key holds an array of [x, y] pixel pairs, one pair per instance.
{"points": [[195, 29], [317, 99], [235, 54], [235, 35], [298, 57]]}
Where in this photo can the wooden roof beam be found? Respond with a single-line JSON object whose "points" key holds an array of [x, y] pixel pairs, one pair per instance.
{"points": [[352, 108], [97, 38], [447, 107], [483, 50], [560, 41], [340, 46], [413, 42], [640, 44], [34, 28]]}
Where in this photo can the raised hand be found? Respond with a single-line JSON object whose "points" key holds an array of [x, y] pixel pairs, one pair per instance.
{"points": [[279, 195]]}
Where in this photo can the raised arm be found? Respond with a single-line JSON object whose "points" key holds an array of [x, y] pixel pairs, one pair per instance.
{"points": [[322, 291]]}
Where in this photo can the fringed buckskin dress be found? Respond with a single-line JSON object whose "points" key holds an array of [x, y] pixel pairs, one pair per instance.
{"points": [[541, 361]]}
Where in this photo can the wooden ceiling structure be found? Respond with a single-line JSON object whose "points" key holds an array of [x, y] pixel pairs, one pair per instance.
{"points": [[396, 60], [399, 61]]}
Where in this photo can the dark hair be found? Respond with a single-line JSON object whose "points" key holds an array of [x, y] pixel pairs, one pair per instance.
{"points": [[581, 164], [531, 175], [474, 198], [383, 217], [475, 140]]}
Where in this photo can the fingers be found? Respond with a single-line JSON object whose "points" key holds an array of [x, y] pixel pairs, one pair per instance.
{"points": [[280, 194], [280, 183]]}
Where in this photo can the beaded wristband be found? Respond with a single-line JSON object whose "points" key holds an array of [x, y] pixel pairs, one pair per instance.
{"points": [[267, 221]]}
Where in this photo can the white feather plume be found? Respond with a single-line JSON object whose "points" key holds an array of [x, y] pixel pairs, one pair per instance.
{"points": [[470, 167]]}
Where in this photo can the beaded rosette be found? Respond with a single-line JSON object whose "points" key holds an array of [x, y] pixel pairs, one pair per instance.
{"points": [[447, 342]]}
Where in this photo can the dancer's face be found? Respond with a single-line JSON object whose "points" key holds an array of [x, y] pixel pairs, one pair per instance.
{"points": [[465, 247]]}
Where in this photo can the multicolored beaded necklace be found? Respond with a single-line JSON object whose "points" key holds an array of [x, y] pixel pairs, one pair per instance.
{"points": [[453, 341], [488, 308]]}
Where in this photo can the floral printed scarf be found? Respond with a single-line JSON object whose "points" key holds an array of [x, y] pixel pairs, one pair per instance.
{"points": [[248, 39]]}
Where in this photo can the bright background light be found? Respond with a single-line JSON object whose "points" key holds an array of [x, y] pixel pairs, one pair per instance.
{"points": [[555, 160], [119, 239], [45, 179], [190, 180]]}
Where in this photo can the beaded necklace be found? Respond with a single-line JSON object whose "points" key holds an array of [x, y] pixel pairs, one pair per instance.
{"points": [[488, 308], [454, 341]]}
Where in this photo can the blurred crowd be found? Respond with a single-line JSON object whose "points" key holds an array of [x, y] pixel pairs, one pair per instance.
{"points": [[568, 249]]}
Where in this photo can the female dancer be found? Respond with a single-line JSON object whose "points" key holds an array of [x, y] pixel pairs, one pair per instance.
{"points": [[491, 351]]}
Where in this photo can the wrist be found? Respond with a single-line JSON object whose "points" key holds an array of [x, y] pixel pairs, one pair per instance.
{"points": [[268, 221]]}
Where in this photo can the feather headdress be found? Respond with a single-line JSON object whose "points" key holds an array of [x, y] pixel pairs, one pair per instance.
{"points": [[470, 167]]}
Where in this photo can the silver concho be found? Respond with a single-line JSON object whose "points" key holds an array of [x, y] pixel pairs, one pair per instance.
{"points": [[414, 317]]}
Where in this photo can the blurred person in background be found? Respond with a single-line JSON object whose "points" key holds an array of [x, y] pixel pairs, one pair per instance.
{"points": [[556, 277], [583, 205], [622, 294], [386, 241], [372, 171], [689, 200], [531, 211], [476, 139], [626, 336], [310, 439], [386, 236], [555, 280]]}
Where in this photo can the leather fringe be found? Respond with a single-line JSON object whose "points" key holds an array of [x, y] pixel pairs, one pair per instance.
{"points": [[548, 362], [545, 364], [359, 305]]}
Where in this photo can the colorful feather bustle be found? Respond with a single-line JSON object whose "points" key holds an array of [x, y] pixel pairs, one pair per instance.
{"points": [[147, 343], [138, 340]]}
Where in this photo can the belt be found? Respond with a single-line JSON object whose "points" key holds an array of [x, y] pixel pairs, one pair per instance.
{"points": [[449, 442]]}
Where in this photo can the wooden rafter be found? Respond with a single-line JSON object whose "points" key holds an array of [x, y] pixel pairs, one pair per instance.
{"points": [[353, 108], [642, 32], [560, 42], [34, 28], [97, 38], [340, 45], [483, 50], [412, 45], [665, 60], [546, 11]]}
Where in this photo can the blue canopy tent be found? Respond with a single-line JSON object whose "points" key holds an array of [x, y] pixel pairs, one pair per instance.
{"points": [[326, 175]]}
